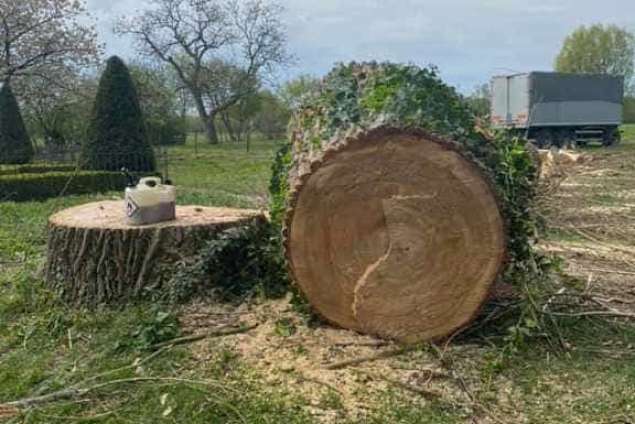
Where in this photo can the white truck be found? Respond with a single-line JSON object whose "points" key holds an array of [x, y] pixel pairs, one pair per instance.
{"points": [[559, 109]]}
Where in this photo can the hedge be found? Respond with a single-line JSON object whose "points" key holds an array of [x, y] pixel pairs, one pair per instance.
{"points": [[38, 168], [23, 187]]}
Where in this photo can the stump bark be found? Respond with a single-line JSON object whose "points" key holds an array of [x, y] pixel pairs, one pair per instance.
{"points": [[393, 232], [95, 257]]}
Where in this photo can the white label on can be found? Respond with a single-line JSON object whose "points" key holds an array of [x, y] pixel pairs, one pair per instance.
{"points": [[131, 208]]}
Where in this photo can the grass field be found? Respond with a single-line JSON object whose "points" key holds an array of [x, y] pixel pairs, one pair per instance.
{"points": [[276, 373]]}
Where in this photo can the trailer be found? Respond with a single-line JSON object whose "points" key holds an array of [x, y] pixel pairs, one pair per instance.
{"points": [[559, 109]]}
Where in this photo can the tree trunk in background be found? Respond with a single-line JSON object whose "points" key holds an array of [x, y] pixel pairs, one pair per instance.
{"points": [[206, 117], [210, 129], [233, 136]]}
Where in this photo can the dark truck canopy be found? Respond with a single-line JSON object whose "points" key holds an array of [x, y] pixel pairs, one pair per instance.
{"points": [[563, 87], [547, 99]]}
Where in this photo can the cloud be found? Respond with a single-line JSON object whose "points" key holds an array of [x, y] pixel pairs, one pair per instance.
{"points": [[468, 40]]}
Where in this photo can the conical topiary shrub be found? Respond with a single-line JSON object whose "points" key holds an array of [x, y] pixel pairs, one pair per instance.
{"points": [[15, 146], [117, 136]]}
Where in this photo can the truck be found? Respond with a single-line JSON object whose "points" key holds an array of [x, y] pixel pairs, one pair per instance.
{"points": [[559, 109]]}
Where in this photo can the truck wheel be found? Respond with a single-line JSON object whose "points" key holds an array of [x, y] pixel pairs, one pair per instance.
{"points": [[543, 139], [569, 140], [612, 137]]}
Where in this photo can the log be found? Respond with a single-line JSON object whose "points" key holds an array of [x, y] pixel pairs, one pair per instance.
{"points": [[95, 257], [397, 214], [395, 233]]}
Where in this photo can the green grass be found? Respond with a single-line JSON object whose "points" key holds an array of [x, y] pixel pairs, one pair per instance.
{"points": [[628, 134], [46, 345], [23, 224], [224, 175]]}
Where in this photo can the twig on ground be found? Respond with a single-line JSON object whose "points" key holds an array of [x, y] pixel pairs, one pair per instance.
{"points": [[607, 352], [320, 382], [215, 314], [431, 373], [81, 418], [76, 390], [448, 363], [72, 392], [370, 358], [210, 334], [378, 343], [589, 282], [609, 313], [135, 364], [610, 271], [426, 394], [602, 243], [614, 300]]}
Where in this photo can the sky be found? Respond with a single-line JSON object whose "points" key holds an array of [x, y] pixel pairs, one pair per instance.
{"points": [[468, 40]]}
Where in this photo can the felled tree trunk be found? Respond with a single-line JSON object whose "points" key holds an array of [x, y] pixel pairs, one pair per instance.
{"points": [[392, 232], [95, 257]]}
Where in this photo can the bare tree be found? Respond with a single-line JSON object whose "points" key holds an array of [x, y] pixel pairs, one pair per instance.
{"points": [[204, 39], [58, 106], [37, 36]]}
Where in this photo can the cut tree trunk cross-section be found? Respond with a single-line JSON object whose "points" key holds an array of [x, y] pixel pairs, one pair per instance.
{"points": [[394, 233]]}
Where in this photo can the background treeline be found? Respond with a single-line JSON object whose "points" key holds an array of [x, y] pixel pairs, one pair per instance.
{"points": [[219, 80], [60, 119]]}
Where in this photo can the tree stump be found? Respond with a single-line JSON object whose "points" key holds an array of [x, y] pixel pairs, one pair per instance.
{"points": [[95, 257]]}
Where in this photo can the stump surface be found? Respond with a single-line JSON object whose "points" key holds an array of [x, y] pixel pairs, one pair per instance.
{"points": [[395, 234], [111, 215], [95, 257]]}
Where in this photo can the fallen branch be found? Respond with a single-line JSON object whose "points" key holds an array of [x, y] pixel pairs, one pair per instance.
{"points": [[426, 394], [320, 382], [615, 314], [448, 363], [76, 389], [135, 364], [614, 300], [83, 419], [370, 358], [210, 334], [378, 343], [429, 373], [610, 271], [602, 243], [71, 393]]}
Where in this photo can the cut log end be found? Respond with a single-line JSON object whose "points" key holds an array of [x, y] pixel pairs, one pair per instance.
{"points": [[396, 235], [95, 257]]}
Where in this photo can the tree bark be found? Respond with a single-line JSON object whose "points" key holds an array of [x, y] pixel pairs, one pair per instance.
{"points": [[207, 118], [94, 257], [392, 232], [210, 129], [233, 135]]}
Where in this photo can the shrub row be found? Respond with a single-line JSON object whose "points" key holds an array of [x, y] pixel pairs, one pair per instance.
{"points": [[23, 187], [36, 168]]}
